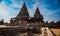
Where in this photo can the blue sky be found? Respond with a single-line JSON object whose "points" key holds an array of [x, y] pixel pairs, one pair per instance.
{"points": [[50, 9]]}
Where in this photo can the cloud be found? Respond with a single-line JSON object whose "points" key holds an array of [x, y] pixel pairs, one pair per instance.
{"points": [[33, 9], [15, 4], [6, 12], [1, 1]]}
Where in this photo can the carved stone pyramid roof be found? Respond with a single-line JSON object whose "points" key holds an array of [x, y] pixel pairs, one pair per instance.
{"points": [[37, 13], [23, 12]]}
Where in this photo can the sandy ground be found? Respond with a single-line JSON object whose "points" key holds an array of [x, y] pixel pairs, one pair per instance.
{"points": [[56, 31]]}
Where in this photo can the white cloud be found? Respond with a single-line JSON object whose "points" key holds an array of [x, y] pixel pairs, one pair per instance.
{"points": [[16, 4], [8, 11], [33, 9], [5, 12]]}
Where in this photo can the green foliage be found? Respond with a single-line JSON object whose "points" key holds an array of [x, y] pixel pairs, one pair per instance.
{"points": [[2, 21]]}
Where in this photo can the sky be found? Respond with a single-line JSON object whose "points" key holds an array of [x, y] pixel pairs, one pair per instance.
{"points": [[50, 9]]}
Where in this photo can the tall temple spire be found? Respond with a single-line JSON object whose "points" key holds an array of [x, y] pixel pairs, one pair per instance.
{"points": [[38, 15], [24, 9], [23, 12]]}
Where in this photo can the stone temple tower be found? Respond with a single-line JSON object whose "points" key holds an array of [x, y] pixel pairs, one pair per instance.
{"points": [[22, 17], [23, 14], [38, 16]]}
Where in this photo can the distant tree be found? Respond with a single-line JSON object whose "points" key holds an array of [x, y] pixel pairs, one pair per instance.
{"points": [[52, 24], [58, 23], [46, 23], [2, 21], [7, 23]]}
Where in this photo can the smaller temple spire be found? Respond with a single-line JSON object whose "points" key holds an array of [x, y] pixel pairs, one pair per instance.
{"points": [[37, 10], [37, 13]]}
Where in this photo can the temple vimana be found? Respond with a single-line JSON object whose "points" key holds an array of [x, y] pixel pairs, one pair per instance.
{"points": [[23, 18]]}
